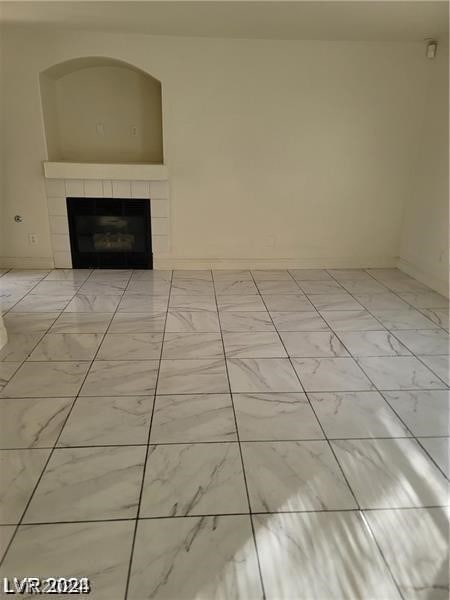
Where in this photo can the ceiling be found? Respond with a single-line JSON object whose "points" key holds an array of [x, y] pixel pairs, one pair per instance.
{"points": [[388, 20]]}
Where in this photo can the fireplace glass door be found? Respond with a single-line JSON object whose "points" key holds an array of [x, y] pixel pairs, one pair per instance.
{"points": [[110, 233]]}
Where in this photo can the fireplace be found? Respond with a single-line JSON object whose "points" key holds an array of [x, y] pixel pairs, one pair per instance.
{"points": [[110, 233]]}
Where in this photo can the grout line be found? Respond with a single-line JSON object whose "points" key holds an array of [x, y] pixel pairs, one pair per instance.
{"points": [[141, 491], [252, 525], [234, 514]]}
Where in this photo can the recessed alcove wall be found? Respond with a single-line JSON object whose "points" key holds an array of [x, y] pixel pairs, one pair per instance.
{"points": [[101, 110]]}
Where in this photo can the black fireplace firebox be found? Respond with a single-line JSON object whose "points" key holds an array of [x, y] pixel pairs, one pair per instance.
{"points": [[110, 233]]}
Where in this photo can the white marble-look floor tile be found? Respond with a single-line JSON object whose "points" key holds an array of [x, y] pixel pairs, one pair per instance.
{"points": [[190, 286], [253, 344], [192, 345], [310, 274], [67, 346], [356, 415], [25, 275], [438, 448], [351, 320], [151, 275], [312, 344], [124, 322], [187, 303], [424, 412], [93, 303], [320, 555], [373, 343], [399, 373], [331, 375], [82, 484], [78, 275], [131, 346], [406, 285], [196, 274], [193, 479], [108, 287], [121, 378], [6, 533], [7, 370], [61, 288], [298, 321], [439, 365], [286, 416], [278, 287], [236, 274], [415, 545], [235, 287], [350, 274], [42, 303], [32, 422], [320, 287], [386, 274], [403, 319], [108, 420], [142, 303], [363, 286], [271, 275], [384, 301], [245, 321], [391, 473], [46, 380], [193, 376], [262, 375], [154, 287], [334, 301], [204, 321], [249, 303], [99, 551], [49, 288], [81, 323], [19, 346], [425, 342], [427, 299], [28, 322], [19, 473], [168, 553], [193, 418], [291, 476], [287, 302], [439, 316]]}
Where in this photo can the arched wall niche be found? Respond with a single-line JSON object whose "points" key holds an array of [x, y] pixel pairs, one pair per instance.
{"points": [[101, 110]]}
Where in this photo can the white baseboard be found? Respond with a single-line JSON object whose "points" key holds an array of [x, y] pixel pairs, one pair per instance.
{"points": [[9, 262], [436, 283], [177, 262]]}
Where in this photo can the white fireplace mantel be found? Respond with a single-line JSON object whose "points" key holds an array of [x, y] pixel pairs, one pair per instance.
{"points": [[137, 172], [90, 180]]}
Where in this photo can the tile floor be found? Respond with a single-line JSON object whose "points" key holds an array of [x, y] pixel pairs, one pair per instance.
{"points": [[227, 435]]}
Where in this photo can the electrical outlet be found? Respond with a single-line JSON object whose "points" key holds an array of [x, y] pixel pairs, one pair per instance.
{"points": [[32, 238], [100, 128], [134, 131]]}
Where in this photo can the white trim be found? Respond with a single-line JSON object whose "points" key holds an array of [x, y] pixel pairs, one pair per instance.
{"points": [[26, 262], [67, 170], [178, 262], [436, 283]]}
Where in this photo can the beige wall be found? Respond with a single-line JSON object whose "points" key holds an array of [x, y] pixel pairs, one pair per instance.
{"points": [[118, 99], [424, 243], [289, 153]]}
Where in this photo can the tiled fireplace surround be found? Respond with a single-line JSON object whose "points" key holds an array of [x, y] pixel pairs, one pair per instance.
{"points": [[58, 189]]}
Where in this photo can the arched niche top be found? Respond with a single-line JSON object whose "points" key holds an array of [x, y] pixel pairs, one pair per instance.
{"points": [[103, 110]]}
